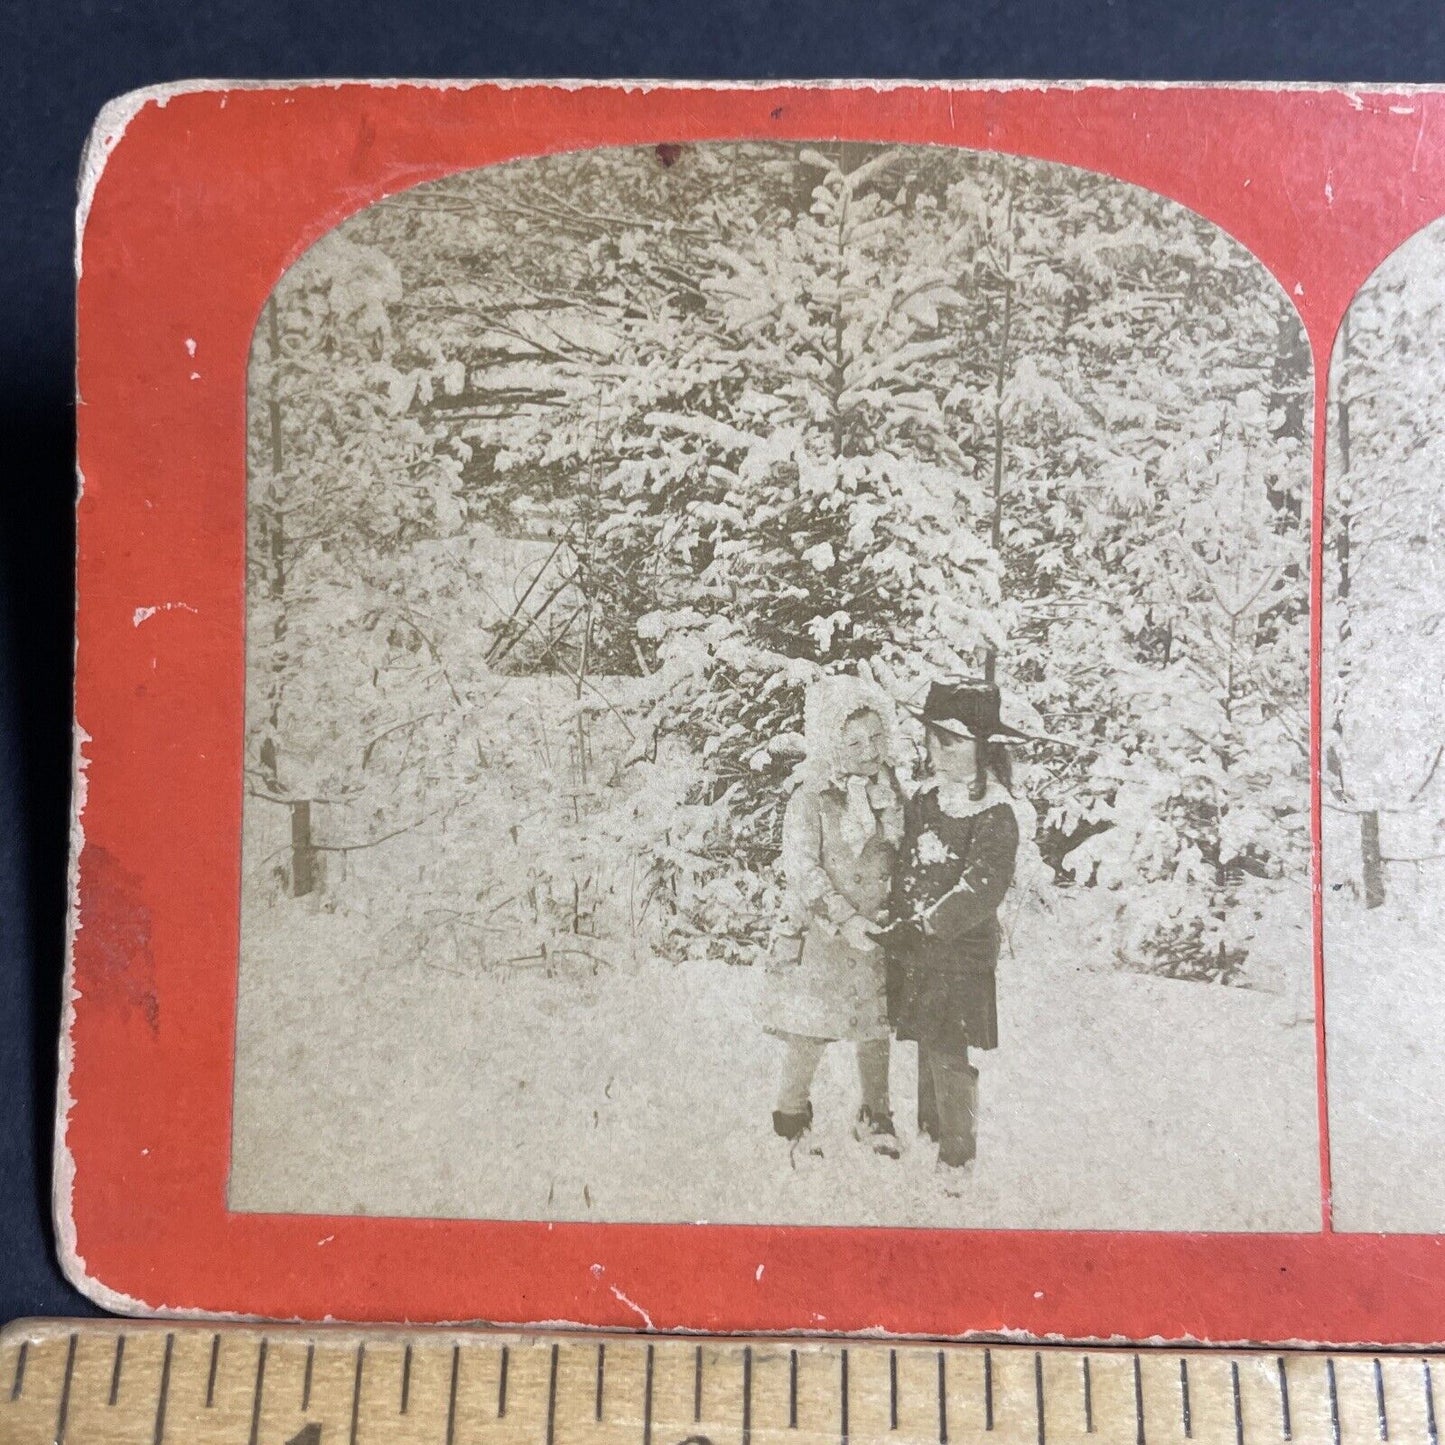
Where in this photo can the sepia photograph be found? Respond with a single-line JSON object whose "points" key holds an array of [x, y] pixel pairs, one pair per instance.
{"points": [[1383, 734], [777, 691]]}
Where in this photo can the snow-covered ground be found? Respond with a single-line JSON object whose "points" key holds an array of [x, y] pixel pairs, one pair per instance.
{"points": [[1385, 1064], [639, 1089]]}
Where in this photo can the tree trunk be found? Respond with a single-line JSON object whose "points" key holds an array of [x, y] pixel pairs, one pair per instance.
{"points": [[990, 658], [1222, 900], [581, 722], [303, 850], [1372, 866]]}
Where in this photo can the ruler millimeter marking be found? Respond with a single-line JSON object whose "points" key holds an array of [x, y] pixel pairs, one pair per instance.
{"points": [[130, 1383]]}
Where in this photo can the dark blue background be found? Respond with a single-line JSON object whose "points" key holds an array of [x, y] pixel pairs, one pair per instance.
{"points": [[63, 60]]}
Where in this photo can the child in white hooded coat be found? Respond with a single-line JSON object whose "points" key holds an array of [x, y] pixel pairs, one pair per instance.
{"points": [[827, 979]]}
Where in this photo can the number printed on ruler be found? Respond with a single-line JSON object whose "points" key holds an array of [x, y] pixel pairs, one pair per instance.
{"points": [[127, 1383]]}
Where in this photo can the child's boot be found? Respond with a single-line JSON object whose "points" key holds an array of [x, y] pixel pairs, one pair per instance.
{"points": [[955, 1084], [954, 1179], [792, 1126], [876, 1130]]}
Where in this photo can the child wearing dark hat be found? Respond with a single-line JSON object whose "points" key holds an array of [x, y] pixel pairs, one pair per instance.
{"points": [[955, 864]]}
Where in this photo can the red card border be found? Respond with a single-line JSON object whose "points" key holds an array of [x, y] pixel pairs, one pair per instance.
{"points": [[201, 198]]}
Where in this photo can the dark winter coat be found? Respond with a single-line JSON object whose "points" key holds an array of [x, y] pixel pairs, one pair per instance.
{"points": [[953, 872]]}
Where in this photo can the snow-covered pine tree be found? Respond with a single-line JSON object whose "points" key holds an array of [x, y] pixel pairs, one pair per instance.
{"points": [[1189, 532], [351, 699], [746, 413], [817, 512], [1104, 334], [1384, 647], [566, 291]]}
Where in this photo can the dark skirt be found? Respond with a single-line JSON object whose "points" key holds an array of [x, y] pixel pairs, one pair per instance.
{"points": [[945, 997]]}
